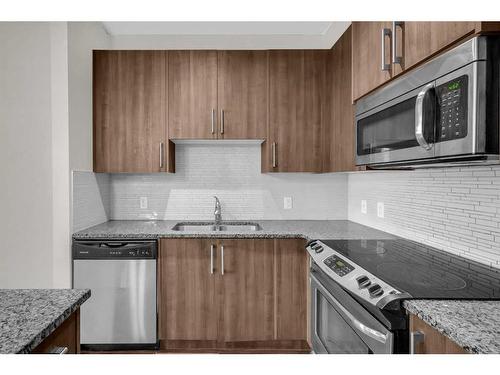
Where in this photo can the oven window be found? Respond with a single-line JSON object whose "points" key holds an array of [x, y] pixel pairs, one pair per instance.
{"points": [[390, 129], [333, 331]]}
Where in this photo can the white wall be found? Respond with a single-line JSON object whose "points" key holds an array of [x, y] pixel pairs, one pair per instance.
{"points": [[26, 156], [83, 37], [37, 107]]}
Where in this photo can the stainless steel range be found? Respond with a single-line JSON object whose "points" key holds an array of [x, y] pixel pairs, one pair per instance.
{"points": [[358, 287]]}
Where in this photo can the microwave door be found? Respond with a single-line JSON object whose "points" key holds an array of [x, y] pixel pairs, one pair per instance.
{"points": [[399, 130]]}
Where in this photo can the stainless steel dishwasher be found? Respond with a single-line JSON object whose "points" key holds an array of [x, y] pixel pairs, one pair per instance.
{"points": [[121, 312]]}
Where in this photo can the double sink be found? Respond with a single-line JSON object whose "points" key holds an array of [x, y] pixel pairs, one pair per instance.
{"points": [[212, 227]]}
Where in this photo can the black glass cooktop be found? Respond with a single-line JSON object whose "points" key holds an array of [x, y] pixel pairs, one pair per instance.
{"points": [[422, 271]]}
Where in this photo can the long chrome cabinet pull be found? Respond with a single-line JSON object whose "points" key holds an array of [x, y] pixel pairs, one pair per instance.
{"points": [[222, 121], [212, 247], [395, 58], [384, 32], [161, 154], [273, 151], [213, 120], [416, 338], [222, 259]]}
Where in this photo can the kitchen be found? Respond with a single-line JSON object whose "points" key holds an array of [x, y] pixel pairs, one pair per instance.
{"points": [[251, 187]]}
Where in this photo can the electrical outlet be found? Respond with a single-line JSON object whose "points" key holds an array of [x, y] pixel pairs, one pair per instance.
{"points": [[363, 206], [144, 202], [287, 203], [380, 209]]}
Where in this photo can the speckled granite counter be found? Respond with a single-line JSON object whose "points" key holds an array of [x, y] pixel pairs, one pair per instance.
{"points": [[474, 325], [27, 316], [308, 229]]}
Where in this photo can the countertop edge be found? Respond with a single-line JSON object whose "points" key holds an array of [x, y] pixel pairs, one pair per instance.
{"points": [[52, 326]]}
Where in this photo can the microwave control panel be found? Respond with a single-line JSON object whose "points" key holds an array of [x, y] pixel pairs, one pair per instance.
{"points": [[452, 110]]}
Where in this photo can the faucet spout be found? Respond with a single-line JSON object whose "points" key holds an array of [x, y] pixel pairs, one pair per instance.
{"points": [[217, 213]]}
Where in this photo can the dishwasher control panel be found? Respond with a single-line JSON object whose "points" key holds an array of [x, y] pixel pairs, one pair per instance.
{"points": [[94, 249]]}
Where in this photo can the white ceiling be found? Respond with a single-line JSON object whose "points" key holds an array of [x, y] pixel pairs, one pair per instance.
{"points": [[217, 28], [224, 35]]}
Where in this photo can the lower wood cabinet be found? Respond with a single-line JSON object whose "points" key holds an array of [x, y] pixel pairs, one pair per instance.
{"points": [[426, 340], [64, 340], [234, 295]]}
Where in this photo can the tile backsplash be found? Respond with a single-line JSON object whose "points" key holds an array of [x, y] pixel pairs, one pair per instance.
{"points": [[91, 199], [454, 209], [230, 170]]}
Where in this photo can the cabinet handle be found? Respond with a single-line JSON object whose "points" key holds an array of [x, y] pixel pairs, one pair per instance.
{"points": [[59, 350], [222, 259], [213, 120], [385, 32], [273, 156], [416, 338], [212, 259], [395, 58], [161, 154], [222, 121]]}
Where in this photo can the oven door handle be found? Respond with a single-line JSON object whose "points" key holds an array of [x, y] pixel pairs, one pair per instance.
{"points": [[370, 332], [419, 116]]}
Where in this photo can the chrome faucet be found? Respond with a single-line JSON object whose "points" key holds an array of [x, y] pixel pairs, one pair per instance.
{"points": [[217, 213]]}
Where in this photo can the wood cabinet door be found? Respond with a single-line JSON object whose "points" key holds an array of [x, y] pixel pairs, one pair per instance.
{"points": [[367, 73], [432, 342], [130, 111], [423, 39], [192, 94], [292, 290], [247, 289], [339, 128], [243, 94], [297, 81], [188, 302]]}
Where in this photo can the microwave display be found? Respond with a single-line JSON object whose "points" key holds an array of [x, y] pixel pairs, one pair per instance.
{"points": [[452, 110]]}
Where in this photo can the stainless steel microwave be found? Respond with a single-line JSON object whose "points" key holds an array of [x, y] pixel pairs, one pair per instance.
{"points": [[445, 112]]}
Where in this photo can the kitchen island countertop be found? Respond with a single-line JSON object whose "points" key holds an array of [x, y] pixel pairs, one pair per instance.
{"points": [[473, 325], [28, 316]]}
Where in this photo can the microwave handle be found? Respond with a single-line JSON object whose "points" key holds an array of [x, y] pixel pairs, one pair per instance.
{"points": [[419, 116]]}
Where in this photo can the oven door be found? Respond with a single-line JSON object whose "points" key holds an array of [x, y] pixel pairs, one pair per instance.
{"points": [[341, 325], [401, 129]]}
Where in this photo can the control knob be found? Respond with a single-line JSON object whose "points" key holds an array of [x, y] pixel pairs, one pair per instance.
{"points": [[363, 281], [375, 291]]}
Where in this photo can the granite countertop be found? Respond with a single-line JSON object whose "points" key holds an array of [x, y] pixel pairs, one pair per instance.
{"points": [[473, 325], [307, 229], [27, 316]]}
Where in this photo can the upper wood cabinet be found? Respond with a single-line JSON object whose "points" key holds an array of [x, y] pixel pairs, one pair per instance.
{"points": [[297, 83], [243, 94], [382, 50], [192, 94], [338, 128], [423, 39], [233, 295], [371, 56], [130, 111]]}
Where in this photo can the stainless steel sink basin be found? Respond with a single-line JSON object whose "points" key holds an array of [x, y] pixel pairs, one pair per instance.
{"points": [[210, 227]]}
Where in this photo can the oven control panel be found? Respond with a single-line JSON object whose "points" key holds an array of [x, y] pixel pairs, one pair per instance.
{"points": [[337, 265], [452, 113], [352, 277]]}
